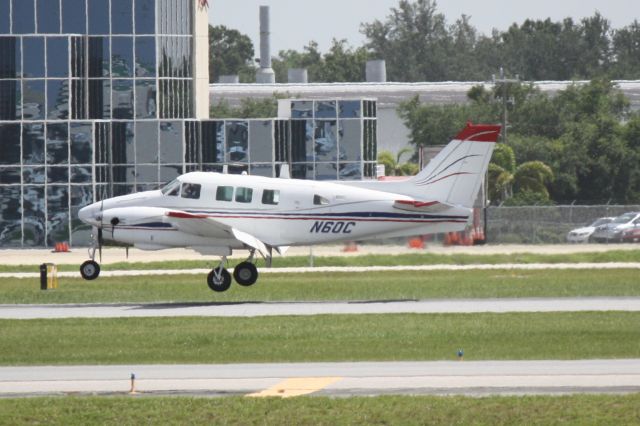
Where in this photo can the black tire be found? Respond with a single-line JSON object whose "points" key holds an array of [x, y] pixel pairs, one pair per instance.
{"points": [[223, 284], [245, 274], [90, 270]]}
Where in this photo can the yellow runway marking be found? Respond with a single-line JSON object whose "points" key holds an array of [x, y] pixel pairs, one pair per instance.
{"points": [[297, 386]]}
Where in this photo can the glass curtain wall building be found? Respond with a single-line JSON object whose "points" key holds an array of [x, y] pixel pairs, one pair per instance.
{"points": [[98, 99]]}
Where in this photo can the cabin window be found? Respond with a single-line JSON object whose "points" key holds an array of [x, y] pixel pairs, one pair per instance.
{"points": [[270, 196], [224, 193], [191, 190], [244, 195], [319, 200], [172, 188]]}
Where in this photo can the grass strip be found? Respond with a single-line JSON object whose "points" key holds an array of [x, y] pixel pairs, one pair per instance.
{"points": [[383, 410], [514, 336], [332, 286], [423, 258]]}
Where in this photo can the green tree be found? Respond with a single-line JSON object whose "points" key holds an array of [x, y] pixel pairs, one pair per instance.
{"points": [[626, 51], [230, 52], [248, 108], [393, 165]]}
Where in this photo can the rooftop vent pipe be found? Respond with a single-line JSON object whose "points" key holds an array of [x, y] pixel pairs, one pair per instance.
{"points": [[265, 74]]}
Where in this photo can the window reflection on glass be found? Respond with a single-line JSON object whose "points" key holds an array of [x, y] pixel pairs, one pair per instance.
{"points": [[81, 196], [57, 57], [261, 143], [48, 16], [146, 99], [57, 143], [147, 142], [58, 217], [74, 17], [270, 196], [265, 170], [24, 17], [301, 109], [302, 171], [10, 143], [145, 56], [171, 142], [147, 173], [168, 172], [121, 17], [34, 215], [10, 58], [99, 57], [80, 136], [57, 99], [350, 140], [33, 175], [9, 175], [10, 99], [237, 141], [145, 17], [33, 105], [122, 99], [33, 58], [98, 16], [124, 174], [325, 109], [326, 171], [10, 215], [326, 141], [5, 15], [122, 57], [349, 109], [100, 99], [33, 143], [57, 174], [81, 175], [350, 171]]}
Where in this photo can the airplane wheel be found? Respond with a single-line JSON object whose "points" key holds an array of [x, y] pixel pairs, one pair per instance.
{"points": [[219, 284], [245, 274], [90, 270]]}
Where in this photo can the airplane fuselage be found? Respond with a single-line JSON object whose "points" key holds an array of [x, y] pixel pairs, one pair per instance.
{"points": [[279, 212]]}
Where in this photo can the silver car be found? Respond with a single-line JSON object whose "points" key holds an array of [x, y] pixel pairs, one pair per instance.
{"points": [[583, 234], [613, 231]]}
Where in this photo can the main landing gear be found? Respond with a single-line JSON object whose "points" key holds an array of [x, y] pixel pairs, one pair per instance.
{"points": [[245, 274]]}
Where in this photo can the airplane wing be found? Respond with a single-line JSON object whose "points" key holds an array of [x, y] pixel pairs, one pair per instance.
{"points": [[420, 206], [205, 226]]}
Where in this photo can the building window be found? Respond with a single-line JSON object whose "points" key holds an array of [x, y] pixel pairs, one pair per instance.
{"points": [[270, 196], [244, 195], [224, 193]]}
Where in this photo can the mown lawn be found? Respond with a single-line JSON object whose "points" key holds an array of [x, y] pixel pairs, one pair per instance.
{"points": [[383, 410], [332, 286], [371, 260], [514, 336]]}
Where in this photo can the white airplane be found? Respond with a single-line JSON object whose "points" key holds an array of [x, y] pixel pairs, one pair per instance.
{"points": [[216, 213]]}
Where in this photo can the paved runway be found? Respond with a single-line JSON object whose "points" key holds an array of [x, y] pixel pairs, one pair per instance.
{"points": [[334, 379], [258, 309]]}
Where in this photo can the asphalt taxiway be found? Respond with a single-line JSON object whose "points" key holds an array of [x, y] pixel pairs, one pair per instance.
{"points": [[260, 309], [330, 379]]}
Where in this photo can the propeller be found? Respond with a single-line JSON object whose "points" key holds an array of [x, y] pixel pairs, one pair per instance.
{"points": [[100, 236]]}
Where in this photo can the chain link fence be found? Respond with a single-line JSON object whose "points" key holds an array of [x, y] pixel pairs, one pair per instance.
{"points": [[544, 224]]}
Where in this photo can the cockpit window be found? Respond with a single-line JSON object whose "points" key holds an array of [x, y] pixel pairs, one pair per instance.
{"points": [[172, 188], [191, 190], [319, 200]]}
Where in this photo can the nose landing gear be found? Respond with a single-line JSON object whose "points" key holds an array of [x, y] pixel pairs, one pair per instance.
{"points": [[90, 269]]}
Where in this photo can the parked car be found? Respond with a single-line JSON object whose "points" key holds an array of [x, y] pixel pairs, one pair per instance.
{"points": [[631, 235], [581, 235], [612, 232]]}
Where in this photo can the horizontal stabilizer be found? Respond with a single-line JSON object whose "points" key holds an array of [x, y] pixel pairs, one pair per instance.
{"points": [[420, 206]]}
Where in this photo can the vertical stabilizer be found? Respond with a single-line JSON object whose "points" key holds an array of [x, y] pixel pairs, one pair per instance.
{"points": [[454, 175]]}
